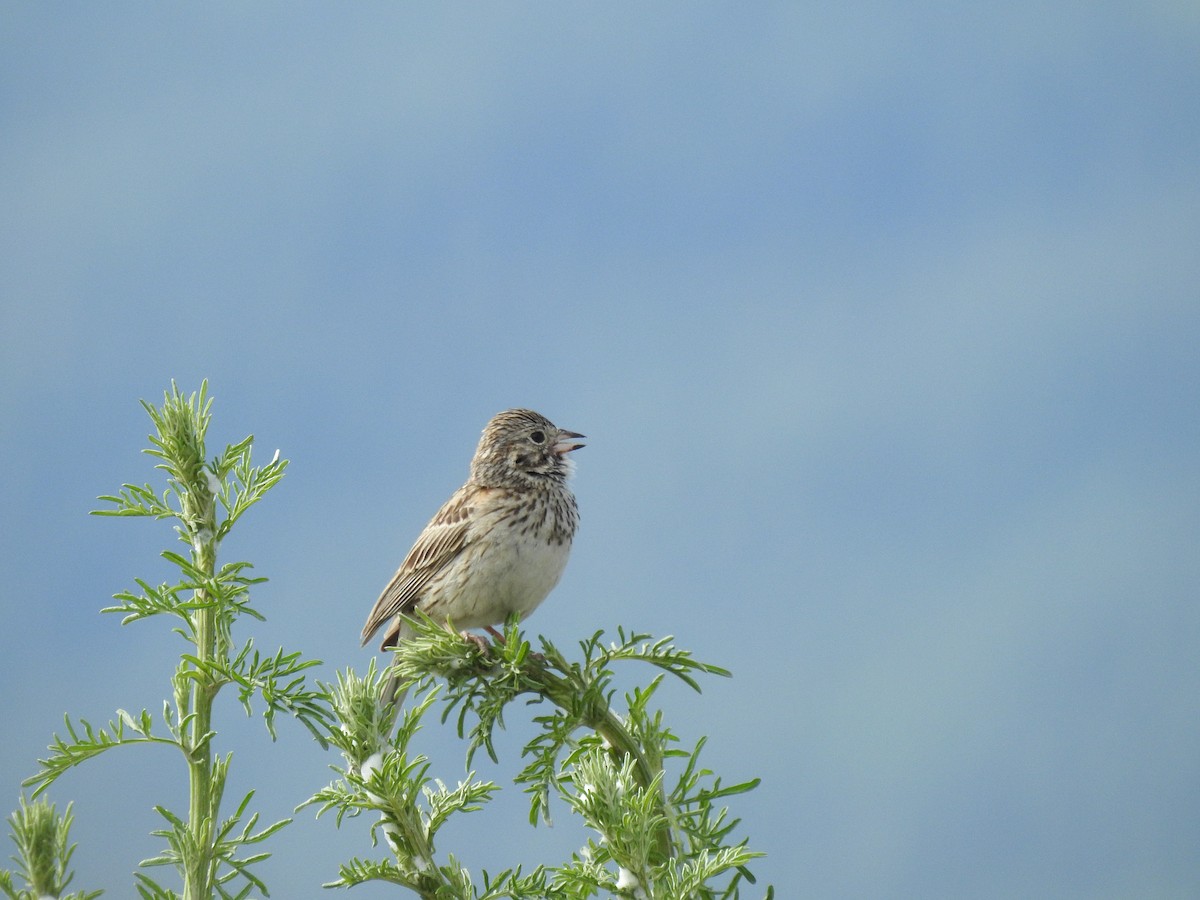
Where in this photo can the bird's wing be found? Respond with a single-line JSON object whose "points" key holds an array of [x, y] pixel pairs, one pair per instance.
{"points": [[439, 544]]}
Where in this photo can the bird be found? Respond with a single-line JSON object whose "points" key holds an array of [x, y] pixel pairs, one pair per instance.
{"points": [[499, 545]]}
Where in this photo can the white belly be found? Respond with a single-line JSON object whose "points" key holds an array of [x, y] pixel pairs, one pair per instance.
{"points": [[508, 578]]}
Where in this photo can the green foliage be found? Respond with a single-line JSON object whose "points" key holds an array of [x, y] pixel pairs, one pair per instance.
{"points": [[609, 768], [222, 856], [44, 852], [381, 775], [205, 498], [659, 826]]}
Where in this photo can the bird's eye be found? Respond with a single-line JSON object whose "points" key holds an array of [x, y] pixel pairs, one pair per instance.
{"points": [[538, 437]]}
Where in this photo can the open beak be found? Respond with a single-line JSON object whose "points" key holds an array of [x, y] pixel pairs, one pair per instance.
{"points": [[565, 443]]}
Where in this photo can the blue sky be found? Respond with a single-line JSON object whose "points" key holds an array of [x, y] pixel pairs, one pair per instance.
{"points": [[881, 320]]}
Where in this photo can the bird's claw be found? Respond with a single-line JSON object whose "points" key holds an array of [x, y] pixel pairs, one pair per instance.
{"points": [[479, 641]]}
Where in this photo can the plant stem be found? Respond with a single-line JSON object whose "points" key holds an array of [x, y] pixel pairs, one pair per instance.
{"points": [[601, 719], [199, 870]]}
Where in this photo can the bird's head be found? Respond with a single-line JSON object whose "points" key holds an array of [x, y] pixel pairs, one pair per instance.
{"points": [[519, 447]]}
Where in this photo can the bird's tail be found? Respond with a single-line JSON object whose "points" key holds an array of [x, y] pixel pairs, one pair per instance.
{"points": [[397, 689]]}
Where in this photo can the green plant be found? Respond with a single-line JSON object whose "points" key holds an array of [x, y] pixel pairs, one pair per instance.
{"points": [[207, 847], [660, 829], [660, 835], [44, 850]]}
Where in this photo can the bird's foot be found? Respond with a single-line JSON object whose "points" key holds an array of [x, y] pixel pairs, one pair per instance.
{"points": [[481, 642], [498, 640]]}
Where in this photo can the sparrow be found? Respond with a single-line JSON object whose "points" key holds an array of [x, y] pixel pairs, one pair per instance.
{"points": [[500, 543]]}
